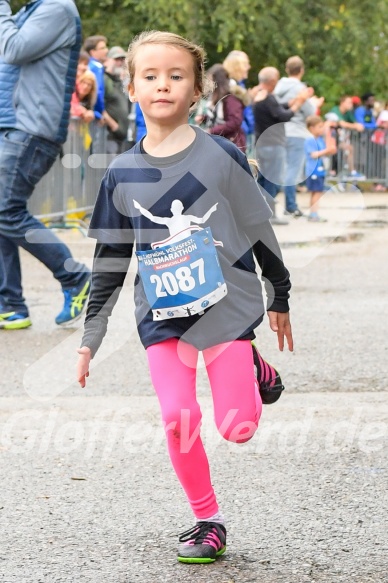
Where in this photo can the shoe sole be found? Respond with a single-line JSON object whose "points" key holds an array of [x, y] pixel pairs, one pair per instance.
{"points": [[201, 560], [69, 323], [16, 324], [273, 394]]}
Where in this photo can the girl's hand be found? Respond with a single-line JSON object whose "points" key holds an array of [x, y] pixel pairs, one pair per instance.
{"points": [[280, 323], [88, 116], [84, 359]]}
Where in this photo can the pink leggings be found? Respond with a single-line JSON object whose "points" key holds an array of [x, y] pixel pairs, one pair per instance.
{"points": [[236, 400]]}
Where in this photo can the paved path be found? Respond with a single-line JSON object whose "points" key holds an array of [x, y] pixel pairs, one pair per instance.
{"points": [[87, 492]]}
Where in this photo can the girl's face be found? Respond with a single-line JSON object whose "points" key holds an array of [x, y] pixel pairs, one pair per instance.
{"points": [[164, 84], [84, 87]]}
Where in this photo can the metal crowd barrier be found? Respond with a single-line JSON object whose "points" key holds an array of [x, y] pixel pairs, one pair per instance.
{"points": [[365, 152], [67, 194]]}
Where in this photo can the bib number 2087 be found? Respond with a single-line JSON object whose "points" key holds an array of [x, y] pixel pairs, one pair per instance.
{"points": [[181, 280]]}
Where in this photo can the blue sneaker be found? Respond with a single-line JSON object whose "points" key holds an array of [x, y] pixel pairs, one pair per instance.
{"points": [[315, 218], [75, 302], [354, 175], [14, 321]]}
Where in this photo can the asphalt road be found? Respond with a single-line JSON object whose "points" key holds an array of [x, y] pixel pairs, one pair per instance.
{"points": [[87, 491]]}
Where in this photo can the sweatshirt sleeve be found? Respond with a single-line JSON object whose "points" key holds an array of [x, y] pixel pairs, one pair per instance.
{"points": [[49, 28], [275, 275], [114, 234], [110, 266]]}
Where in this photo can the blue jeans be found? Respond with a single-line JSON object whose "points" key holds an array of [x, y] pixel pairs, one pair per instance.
{"points": [[24, 160], [295, 158], [271, 160]]}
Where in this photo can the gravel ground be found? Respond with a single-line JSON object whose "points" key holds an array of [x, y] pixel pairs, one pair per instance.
{"points": [[87, 490]]}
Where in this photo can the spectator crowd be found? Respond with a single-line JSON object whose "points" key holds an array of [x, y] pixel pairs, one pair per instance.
{"points": [[278, 122]]}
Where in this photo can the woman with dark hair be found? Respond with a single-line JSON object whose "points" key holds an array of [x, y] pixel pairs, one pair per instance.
{"points": [[225, 109]]}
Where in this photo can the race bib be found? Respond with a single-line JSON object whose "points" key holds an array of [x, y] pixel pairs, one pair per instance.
{"points": [[183, 278]]}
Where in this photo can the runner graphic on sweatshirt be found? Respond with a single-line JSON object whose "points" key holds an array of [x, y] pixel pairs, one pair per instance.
{"points": [[179, 224]]}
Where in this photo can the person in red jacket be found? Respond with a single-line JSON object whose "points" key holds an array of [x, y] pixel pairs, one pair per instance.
{"points": [[84, 97]]}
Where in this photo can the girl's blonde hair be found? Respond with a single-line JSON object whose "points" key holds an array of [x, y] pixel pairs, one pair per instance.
{"points": [[157, 37]]}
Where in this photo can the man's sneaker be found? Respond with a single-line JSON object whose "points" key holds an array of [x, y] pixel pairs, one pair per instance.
{"points": [[14, 321], [268, 379], [295, 213], [75, 302], [203, 543], [354, 175]]}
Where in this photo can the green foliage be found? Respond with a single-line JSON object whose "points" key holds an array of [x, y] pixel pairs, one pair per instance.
{"points": [[344, 43]]}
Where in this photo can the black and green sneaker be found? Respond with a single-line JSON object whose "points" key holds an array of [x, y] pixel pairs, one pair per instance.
{"points": [[203, 543]]}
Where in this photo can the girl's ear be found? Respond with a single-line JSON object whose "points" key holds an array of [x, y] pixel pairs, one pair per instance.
{"points": [[197, 94], [131, 92]]}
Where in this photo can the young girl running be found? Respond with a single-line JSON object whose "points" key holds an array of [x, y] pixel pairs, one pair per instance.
{"points": [[191, 204]]}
